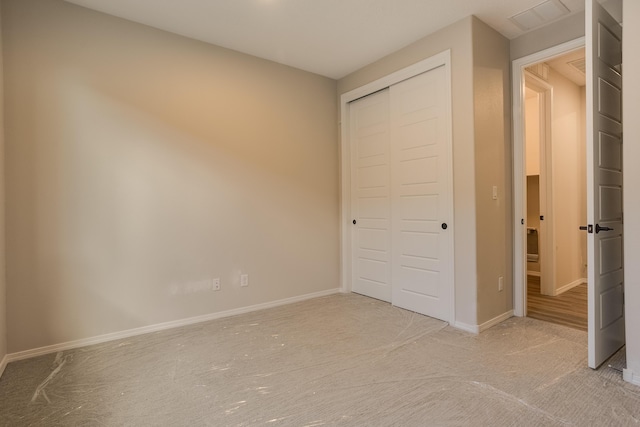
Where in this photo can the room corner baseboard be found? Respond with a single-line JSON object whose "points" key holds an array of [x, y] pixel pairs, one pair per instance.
{"points": [[629, 376], [27, 354], [493, 322], [3, 364], [474, 329], [569, 286]]}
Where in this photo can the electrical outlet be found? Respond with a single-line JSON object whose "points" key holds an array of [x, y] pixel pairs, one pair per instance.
{"points": [[244, 280], [500, 284], [216, 284]]}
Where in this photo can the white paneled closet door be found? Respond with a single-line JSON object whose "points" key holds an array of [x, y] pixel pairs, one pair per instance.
{"points": [[420, 195], [370, 170], [401, 195]]}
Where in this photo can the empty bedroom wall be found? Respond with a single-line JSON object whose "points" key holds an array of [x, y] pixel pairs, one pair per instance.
{"points": [[141, 165]]}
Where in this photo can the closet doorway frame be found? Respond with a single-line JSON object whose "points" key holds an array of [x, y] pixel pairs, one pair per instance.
{"points": [[442, 59]]}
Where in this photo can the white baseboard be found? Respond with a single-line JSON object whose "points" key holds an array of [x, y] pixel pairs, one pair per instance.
{"points": [[3, 364], [533, 273], [474, 329], [571, 285], [630, 376], [27, 354], [493, 322]]}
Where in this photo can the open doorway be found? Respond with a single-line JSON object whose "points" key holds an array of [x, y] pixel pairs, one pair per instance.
{"points": [[604, 157], [555, 180]]}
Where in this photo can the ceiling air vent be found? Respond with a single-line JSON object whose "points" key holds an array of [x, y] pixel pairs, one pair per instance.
{"points": [[579, 64], [539, 15]]}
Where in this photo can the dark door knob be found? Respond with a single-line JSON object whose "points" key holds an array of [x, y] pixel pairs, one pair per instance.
{"points": [[599, 229], [354, 222], [444, 226]]}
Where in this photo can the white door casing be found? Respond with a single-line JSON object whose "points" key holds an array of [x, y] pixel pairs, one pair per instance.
{"points": [[349, 231], [420, 196], [606, 332], [547, 229], [519, 181], [370, 176]]}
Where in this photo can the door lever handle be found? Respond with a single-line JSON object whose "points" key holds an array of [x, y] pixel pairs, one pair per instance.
{"points": [[599, 229]]}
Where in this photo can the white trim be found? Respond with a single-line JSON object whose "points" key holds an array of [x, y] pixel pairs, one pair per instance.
{"points": [[435, 61], [477, 329], [546, 232], [3, 364], [570, 286], [631, 377], [519, 184], [493, 322], [27, 354], [533, 273], [474, 329]]}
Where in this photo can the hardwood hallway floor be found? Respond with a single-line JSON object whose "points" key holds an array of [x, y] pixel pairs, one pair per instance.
{"points": [[569, 308]]}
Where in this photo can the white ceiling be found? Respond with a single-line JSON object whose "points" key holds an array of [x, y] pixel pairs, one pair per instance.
{"points": [[328, 37], [563, 66]]}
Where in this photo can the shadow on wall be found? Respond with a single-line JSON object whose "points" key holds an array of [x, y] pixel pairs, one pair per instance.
{"points": [[147, 162]]}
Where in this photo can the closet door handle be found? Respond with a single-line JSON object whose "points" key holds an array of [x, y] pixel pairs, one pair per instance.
{"points": [[444, 226]]}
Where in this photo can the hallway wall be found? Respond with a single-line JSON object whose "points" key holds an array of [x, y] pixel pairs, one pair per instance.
{"points": [[569, 181]]}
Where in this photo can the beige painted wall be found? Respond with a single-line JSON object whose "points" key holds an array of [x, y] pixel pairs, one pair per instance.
{"points": [[493, 162], [456, 37], [532, 132], [3, 283], [568, 160], [140, 162], [631, 106]]}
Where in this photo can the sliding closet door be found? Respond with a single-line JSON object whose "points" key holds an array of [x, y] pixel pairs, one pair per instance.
{"points": [[421, 214], [370, 170], [401, 195]]}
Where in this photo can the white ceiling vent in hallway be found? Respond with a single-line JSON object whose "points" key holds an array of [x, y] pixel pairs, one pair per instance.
{"points": [[539, 15], [579, 64]]}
